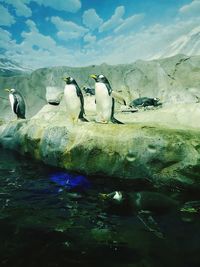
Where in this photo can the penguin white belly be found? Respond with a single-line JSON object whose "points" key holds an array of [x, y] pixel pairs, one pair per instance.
{"points": [[12, 100], [73, 104], [103, 102]]}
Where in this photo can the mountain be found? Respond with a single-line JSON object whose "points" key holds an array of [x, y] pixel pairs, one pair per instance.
{"points": [[188, 44], [174, 80], [11, 68]]}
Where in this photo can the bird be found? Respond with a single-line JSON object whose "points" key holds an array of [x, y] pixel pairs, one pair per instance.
{"points": [[130, 202], [17, 103], [145, 102], [104, 100], [74, 100]]}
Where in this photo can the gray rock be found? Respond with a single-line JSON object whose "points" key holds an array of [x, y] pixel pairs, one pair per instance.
{"points": [[173, 80], [162, 144], [164, 152]]}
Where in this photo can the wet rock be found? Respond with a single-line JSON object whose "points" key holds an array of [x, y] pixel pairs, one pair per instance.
{"points": [[164, 154]]}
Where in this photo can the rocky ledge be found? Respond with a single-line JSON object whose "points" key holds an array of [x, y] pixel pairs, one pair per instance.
{"points": [[154, 149]]}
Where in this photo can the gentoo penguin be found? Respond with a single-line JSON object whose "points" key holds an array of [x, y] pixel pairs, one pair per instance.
{"points": [[136, 201], [74, 100], [145, 102], [17, 103], [104, 101]]}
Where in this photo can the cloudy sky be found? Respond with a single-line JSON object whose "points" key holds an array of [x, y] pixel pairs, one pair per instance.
{"points": [[39, 33]]}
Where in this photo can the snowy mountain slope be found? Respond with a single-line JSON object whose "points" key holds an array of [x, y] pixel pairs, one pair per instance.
{"points": [[11, 68], [188, 44]]}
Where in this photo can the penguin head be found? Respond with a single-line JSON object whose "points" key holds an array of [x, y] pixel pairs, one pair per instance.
{"points": [[11, 91], [115, 196], [99, 78], [69, 80]]}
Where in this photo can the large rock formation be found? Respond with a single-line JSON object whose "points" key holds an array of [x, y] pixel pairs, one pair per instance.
{"points": [[161, 145], [174, 80], [165, 152]]}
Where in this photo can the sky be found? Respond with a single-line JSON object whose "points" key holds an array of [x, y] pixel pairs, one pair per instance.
{"points": [[41, 33]]}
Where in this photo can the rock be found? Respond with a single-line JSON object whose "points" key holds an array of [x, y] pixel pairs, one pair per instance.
{"points": [[173, 80], [53, 95], [166, 151], [161, 144]]}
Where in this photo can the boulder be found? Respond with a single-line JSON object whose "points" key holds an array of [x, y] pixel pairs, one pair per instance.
{"points": [[167, 152], [173, 80]]}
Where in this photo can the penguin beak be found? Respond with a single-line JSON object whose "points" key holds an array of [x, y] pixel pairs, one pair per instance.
{"points": [[116, 195], [65, 79], [93, 76], [7, 90], [103, 196]]}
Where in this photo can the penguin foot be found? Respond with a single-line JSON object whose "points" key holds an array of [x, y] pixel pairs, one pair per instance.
{"points": [[113, 120], [83, 119], [102, 122]]}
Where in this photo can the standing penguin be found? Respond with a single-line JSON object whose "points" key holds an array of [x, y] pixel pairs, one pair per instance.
{"points": [[74, 100], [104, 101], [17, 103]]}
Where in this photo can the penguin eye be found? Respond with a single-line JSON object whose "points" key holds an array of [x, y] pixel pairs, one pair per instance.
{"points": [[71, 79], [101, 76]]}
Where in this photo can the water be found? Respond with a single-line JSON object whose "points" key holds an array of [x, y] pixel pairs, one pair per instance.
{"points": [[47, 223]]}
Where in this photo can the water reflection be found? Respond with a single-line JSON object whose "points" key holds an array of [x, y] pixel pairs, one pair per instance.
{"points": [[70, 181]]}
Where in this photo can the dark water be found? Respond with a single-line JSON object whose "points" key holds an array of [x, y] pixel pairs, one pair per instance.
{"points": [[46, 224]]}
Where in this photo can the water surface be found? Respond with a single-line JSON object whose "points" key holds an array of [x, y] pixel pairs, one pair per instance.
{"points": [[47, 223]]}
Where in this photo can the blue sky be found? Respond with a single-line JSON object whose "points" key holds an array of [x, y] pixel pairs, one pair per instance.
{"points": [[40, 33]]}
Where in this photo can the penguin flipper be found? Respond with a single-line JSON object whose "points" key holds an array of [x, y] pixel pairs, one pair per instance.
{"points": [[113, 119], [19, 106], [109, 87], [82, 111], [80, 95]]}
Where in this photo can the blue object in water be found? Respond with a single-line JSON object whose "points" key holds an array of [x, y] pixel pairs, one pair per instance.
{"points": [[70, 181]]}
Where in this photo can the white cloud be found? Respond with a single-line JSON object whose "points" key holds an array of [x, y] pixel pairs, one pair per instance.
{"points": [[35, 38], [5, 40], [22, 9], [68, 29], [129, 23], [191, 9], [91, 19], [6, 19], [88, 38], [61, 5], [114, 21], [20, 6], [32, 26], [147, 43], [37, 50]]}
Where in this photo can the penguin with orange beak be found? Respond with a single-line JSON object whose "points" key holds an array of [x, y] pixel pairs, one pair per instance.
{"points": [[104, 100], [74, 100]]}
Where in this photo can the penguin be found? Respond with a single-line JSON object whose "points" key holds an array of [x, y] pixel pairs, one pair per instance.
{"points": [[134, 202], [104, 100], [74, 100], [145, 102], [17, 103]]}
